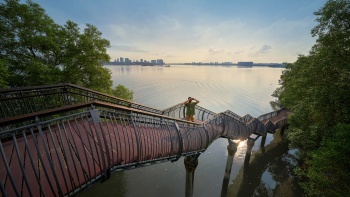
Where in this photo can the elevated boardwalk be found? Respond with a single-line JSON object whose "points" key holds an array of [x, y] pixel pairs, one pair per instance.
{"points": [[86, 135]]}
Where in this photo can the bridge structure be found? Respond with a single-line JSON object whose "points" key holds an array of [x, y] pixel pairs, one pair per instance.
{"points": [[57, 140]]}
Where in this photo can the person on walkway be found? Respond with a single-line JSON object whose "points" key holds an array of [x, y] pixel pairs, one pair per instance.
{"points": [[190, 108]]}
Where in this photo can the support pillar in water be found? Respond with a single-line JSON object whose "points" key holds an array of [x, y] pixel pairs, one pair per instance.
{"points": [[191, 163], [250, 144], [263, 139], [282, 130], [231, 149]]}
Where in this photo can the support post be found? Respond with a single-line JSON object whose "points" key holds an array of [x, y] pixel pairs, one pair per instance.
{"points": [[231, 149], [263, 139], [191, 163], [250, 144], [282, 129]]}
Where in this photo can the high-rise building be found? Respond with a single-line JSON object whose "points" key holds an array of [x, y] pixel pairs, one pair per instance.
{"points": [[121, 59], [245, 64], [160, 61]]}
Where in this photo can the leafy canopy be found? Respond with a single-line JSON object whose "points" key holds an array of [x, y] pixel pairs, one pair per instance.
{"points": [[3, 74], [37, 51], [316, 88], [123, 92]]}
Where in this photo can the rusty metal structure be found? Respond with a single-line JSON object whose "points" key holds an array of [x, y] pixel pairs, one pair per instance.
{"points": [[57, 140]]}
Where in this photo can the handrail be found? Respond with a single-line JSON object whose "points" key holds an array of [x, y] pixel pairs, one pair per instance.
{"points": [[103, 104], [178, 111], [17, 101], [8, 90], [11, 120], [24, 117], [82, 147]]}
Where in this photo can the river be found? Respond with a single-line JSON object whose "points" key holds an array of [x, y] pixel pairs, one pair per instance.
{"points": [[218, 88]]}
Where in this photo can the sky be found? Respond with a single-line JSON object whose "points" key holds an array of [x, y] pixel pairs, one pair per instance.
{"points": [[180, 31]]}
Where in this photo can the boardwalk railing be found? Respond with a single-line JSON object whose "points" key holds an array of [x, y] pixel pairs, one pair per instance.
{"points": [[63, 155], [18, 101], [179, 111]]}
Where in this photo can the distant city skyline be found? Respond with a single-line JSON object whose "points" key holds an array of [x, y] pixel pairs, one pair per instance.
{"points": [[196, 30], [161, 61], [128, 61]]}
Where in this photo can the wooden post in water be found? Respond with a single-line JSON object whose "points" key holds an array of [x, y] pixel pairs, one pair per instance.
{"points": [[191, 163], [250, 144], [231, 149], [282, 129], [263, 139]]}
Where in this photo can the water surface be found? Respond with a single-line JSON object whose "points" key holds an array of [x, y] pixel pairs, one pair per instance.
{"points": [[219, 88]]}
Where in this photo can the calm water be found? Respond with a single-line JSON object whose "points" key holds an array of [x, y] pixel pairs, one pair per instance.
{"points": [[241, 90]]}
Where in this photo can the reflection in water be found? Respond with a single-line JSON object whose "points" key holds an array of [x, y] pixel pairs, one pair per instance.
{"points": [[191, 162], [116, 185], [268, 173], [250, 144], [231, 150]]}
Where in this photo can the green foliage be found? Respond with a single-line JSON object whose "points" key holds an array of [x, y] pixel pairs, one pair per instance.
{"points": [[4, 74], [276, 105], [123, 92], [38, 51], [316, 88], [329, 171], [27, 42], [83, 57]]}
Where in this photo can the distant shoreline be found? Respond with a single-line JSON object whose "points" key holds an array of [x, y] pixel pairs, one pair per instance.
{"points": [[273, 65]]}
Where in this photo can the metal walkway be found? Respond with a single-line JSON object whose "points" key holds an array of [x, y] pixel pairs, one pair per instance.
{"points": [[63, 138]]}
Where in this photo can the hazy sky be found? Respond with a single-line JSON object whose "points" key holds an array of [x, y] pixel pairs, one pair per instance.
{"points": [[196, 30]]}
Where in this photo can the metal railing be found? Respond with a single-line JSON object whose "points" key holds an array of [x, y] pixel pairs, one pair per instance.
{"points": [[64, 155], [61, 156], [57, 140], [179, 111], [18, 101]]}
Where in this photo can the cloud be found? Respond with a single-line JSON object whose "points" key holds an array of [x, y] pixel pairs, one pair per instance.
{"points": [[264, 49], [176, 40], [216, 51], [165, 22], [253, 47], [238, 52], [126, 48], [186, 31]]}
